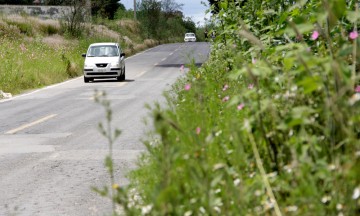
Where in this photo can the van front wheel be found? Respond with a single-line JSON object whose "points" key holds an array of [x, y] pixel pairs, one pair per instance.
{"points": [[86, 80]]}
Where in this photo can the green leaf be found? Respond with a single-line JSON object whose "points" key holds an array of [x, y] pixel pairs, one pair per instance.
{"points": [[338, 7], [336, 11], [288, 63], [310, 84], [346, 50], [305, 27], [224, 5], [352, 16]]}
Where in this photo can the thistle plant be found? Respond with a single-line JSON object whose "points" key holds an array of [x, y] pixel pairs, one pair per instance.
{"points": [[111, 134]]}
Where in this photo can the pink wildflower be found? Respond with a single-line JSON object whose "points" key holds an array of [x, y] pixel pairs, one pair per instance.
{"points": [[226, 98], [225, 87], [198, 130], [240, 106], [251, 86], [187, 87], [353, 35], [315, 35], [253, 60], [357, 89], [182, 67]]}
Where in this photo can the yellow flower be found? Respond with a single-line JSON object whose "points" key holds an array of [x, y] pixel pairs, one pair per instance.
{"points": [[115, 186]]}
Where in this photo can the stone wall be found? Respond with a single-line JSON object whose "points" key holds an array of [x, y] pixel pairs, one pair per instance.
{"points": [[41, 11]]}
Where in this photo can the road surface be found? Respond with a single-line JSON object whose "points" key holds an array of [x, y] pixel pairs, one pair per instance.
{"points": [[51, 151]]}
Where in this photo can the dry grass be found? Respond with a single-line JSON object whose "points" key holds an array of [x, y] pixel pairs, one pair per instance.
{"points": [[56, 41], [105, 32], [131, 25]]}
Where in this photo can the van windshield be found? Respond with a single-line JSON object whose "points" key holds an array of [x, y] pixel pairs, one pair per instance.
{"points": [[103, 51]]}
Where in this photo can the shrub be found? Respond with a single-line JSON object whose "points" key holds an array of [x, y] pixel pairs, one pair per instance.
{"points": [[270, 125]]}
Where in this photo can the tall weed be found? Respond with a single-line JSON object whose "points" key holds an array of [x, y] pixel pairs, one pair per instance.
{"points": [[270, 125]]}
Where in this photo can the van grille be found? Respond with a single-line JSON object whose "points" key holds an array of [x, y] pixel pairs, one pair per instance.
{"points": [[101, 65]]}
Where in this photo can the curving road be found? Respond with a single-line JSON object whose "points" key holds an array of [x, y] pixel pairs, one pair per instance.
{"points": [[51, 152]]}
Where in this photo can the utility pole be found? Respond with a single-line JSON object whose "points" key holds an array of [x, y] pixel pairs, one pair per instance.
{"points": [[135, 9], [88, 8]]}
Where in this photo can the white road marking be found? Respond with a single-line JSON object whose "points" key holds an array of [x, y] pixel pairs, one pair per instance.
{"points": [[122, 84], [140, 74], [38, 90], [13, 131]]}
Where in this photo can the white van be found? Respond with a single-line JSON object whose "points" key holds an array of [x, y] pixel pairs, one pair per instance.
{"points": [[104, 60]]}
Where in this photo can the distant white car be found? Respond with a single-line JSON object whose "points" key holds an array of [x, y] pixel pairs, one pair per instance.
{"points": [[104, 60], [190, 37]]}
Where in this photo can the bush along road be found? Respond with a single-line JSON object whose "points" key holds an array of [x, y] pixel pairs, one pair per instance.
{"points": [[270, 125]]}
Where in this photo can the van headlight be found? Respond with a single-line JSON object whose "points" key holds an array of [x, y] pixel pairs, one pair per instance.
{"points": [[87, 65], [115, 64]]}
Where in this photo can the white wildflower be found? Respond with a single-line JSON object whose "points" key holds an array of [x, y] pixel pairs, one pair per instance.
{"points": [[340, 214], [218, 191], [325, 199], [286, 95], [218, 166], [288, 168], [356, 193], [202, 210], [269, 204], [272, 175], [247, 125], [257, 193], [193, 200], [339, 206], [355, 98], [218, 133], [357, 154], [291, 132], [237, 182], [188, 213], [332, 167], [258, 209], [277, 79], [294, 88], [217, 209], [252, 174], [291, 208], [146, 209]]}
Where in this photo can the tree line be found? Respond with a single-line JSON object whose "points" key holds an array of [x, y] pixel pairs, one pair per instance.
{"points": [[103, 8]]}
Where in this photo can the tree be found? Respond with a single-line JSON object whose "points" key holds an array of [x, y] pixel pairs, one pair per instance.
{"points": [[150, 15], [104, 8], [16, 2], [171, 6], [74, 21]]}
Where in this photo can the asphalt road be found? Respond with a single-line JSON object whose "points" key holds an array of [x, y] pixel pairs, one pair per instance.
{"points": [[51, 151]]}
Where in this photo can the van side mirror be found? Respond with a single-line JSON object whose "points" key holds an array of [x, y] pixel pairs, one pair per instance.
{"points": [[83, 55]]}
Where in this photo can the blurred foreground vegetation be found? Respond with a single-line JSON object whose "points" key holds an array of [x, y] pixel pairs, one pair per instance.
{"points": [[270, 125]]}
